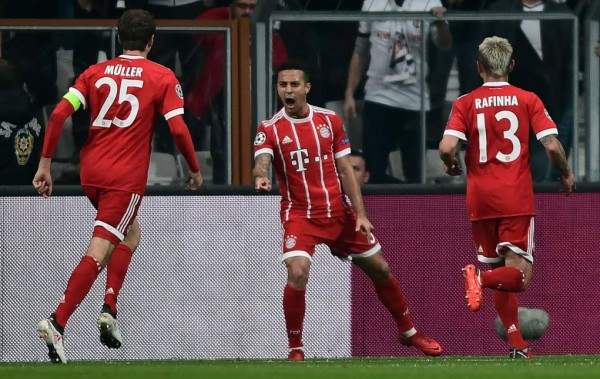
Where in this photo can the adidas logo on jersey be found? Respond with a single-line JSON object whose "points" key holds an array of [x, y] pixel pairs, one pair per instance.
{"points": [[286, 139]]}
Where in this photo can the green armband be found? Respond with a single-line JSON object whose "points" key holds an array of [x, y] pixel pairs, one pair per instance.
{"points": [[71, 98]]}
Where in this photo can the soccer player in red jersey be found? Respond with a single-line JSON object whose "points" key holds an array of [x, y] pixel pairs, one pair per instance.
{"points": [[496, 120], [124, 95], [309, 151]]}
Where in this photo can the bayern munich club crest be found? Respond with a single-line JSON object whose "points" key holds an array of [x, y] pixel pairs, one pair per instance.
{"points": [[324, 131], [290, 241], [260, 139]]}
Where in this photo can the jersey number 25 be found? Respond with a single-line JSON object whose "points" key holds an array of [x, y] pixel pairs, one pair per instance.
{"points": [[124, 96]]}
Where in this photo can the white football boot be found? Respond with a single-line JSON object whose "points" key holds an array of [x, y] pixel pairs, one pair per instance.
{"points": [[53, 340], [110, 336]]}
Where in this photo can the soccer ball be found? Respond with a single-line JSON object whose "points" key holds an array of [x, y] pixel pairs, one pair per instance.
{"points": [[534, 323]]}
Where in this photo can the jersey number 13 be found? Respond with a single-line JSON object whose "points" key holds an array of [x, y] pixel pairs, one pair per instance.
{"points": [[508, 134]]}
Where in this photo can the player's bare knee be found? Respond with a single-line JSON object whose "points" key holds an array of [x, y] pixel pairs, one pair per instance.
{"points": [[381, 272], [100, 249], [520, 263], [375, 266], [133, 237], [527, 271], [298, 276], [298, 271]]}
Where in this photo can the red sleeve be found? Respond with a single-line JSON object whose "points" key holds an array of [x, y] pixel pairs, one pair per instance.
{"points": [[262, 143], [57, 119], [172, 95], [457, 122], [341, 141], [541, 121], [183, 140]]}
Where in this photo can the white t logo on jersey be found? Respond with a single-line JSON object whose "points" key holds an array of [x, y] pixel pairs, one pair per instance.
{"points": [[300, 158]]}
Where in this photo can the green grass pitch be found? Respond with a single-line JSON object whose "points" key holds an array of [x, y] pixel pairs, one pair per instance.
{"points": [[560, 367]]}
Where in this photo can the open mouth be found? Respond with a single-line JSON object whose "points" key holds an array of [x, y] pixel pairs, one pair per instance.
{"points": [[290, 101]]}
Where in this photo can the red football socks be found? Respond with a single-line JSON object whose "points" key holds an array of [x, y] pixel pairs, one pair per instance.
{"points": [[507, 307], [391, 296], [294, 307], [507, 279], [79, 284], [115, 274]]}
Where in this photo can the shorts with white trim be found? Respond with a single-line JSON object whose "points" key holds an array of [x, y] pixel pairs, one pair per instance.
{"points": [[302, 235], [492, 237], [116, 211]]}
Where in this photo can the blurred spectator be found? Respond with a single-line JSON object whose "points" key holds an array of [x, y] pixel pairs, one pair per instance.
{"points": [[322, 45], [205, 98], [33, 53], [597, 49], [359, 164], [466, 36], [543, 50], [210, 79], [86, 46], [392, 116], [170, 46], [21, 136], [304, 44]]}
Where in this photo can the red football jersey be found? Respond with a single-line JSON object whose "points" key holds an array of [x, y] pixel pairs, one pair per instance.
{"points": [[124, 95], [496, 120], [304, 153]]}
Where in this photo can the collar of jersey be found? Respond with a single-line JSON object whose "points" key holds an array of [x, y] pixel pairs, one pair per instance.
{"points": [[131, 56], [495, 84], [299, 120]]}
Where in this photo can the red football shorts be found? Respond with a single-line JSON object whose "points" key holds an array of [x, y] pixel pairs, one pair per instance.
{"points": [[302, 235], [493, 237], [116, 211]]}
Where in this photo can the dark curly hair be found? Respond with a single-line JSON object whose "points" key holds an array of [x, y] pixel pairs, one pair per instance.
{"points": [[295, 65], [136, 27]]}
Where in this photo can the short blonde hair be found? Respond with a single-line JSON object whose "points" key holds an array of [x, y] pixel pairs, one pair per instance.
{"points": [[495, 55]]}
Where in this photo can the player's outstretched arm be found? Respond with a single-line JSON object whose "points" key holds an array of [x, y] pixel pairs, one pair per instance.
{"points": [[557, 156], [260, 173], [447, 150]]}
